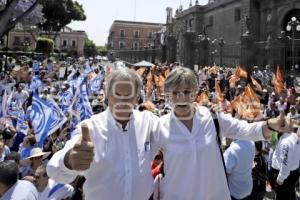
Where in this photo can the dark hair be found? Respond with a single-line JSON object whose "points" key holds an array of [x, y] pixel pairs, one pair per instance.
{"points": [[259, 145], [13, 156], [9, 173]]}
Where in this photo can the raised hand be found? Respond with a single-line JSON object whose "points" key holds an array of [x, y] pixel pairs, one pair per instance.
{"points": [[80, 157]]}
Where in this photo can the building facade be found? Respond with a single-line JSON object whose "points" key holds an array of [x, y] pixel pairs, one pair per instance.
{"points": [[231, 32], [133, 41], [66, 41], [131, 35]]}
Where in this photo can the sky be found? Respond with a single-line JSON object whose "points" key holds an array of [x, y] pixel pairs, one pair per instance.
{"points": [[101, 14]]}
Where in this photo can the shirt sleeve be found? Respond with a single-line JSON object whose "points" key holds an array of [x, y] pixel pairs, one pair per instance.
{"points": [[56, 168], [239, 129], [284, 171]]}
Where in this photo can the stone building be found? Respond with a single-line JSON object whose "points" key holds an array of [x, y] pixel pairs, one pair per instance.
{"points": [[230, 32], [131, 35], [133, 41]]}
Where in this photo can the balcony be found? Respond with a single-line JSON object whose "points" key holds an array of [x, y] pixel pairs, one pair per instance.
{"points": [[68, 47]]}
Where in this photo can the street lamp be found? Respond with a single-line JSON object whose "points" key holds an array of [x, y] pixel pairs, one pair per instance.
{"points": [[293, 26]]}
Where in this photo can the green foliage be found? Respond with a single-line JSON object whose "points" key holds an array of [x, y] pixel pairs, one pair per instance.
{"points": [[44, 45], [101, 50], [60, 13], [90, 48]]}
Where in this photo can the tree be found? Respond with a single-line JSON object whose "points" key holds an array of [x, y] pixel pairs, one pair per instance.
{"points": [[101, 50], [59, 13], [44, 45], [15, 11], [90, 48]]}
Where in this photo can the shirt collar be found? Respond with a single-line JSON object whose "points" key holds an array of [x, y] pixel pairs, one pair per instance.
{"points": [[116, 124]]}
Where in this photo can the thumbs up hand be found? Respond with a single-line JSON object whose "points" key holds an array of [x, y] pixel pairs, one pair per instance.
{"points": [[80, 157]]}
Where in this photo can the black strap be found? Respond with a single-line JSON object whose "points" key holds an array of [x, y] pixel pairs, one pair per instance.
{"points": [[216, 122]]}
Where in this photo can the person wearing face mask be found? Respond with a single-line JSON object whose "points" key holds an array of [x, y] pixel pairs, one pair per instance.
{"points": [[188, 136], [111, 149]]}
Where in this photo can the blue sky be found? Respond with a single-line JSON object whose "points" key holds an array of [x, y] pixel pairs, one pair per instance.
{"points": [[101, 14]]}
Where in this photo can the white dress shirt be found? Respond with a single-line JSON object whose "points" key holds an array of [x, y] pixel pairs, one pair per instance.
{"points": [[56, 191], [121, 166], [192, 160], [286, 157]]}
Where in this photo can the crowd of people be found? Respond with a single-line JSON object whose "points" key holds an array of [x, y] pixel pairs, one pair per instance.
{"points": [[89, 130]]}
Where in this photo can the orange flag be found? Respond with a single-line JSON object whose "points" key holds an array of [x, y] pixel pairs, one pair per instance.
{"points": [[238, 73], [278, 85], [213, 69], [241, 72], [279, 74], [149, 84], [252, 102], [141, 71], [233, 79], [219, 94], [238, 105], [247, 105], [159, 82], [256, 84], [202, 98], [166, 72]]}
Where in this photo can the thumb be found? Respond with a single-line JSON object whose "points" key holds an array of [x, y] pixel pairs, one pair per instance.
{"points": [[85, 133]]}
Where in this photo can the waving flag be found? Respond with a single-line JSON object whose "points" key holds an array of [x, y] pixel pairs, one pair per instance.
{"points": [[241, 72], [65, 99], [35, 83], [278, 85], [247, 105], [94, 82], [219, 94], [279, 74], [141, 71], [256, 84], [45, 118], [149, 84], [82, 106], [202, 99]]}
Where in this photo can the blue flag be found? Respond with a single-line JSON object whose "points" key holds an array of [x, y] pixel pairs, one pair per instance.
{"points": [[36, 83], [45, 117], [95, 83]]}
